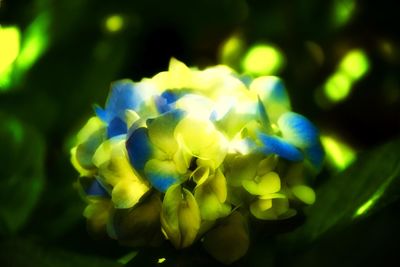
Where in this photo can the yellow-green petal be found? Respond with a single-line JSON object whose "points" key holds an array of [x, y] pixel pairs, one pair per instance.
{"points": [[267, 184], [200, 175], [131, 117], [261, 209], [242, 167], [127, 193], [273, 95], [195, 134], [180, 216], [304, 193], [88, 140], [200, 138], [161, 131], [112, 162], [211, 197]]}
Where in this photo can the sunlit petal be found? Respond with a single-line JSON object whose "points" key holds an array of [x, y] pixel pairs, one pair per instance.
{"points": [[161, 174], [127, 193], [271, 209], [211, 197], [272, 94], [304, 193], [161, 130], [88, 139], [298, 130], [267, 184]]}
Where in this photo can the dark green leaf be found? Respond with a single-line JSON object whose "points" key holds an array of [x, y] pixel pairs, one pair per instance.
{"points": [[21, 172], [366, 187], [369, 242], [16, 253]]}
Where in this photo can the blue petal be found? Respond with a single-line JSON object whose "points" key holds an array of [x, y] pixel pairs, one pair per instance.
{"points": [[139, 148], [277, 91], [96, 189], [101, 113], [165, 102], [316, 154], [116, 127], [123, 95], [278, 146], [298, 130], [161, 182], [213, 116], [170, 96], [162, 105]]}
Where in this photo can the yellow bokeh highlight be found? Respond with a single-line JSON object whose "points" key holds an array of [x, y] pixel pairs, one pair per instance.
{"points": [[263, 59], [352, 67], [19, 53], [337, 87], [34, 43], [161, 260], [231, 51], [114, 23], [9, 50], [355, 64], [338, 154]]}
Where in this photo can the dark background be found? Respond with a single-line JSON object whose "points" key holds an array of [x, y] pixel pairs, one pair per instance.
{"points": [[44, 106]]}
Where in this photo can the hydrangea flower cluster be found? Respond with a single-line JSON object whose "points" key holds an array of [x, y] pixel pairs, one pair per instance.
{"points": [[192, 155]]}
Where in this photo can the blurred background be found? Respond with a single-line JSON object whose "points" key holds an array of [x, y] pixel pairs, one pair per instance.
{"points": [[339, 59]]}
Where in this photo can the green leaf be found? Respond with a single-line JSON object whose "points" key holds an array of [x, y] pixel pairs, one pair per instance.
{"points": [[21, 174], [369, 242], [19, 253], [367, 186]]}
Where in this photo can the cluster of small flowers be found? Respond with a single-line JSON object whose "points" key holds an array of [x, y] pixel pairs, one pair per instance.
{"points": [[192, 155]]}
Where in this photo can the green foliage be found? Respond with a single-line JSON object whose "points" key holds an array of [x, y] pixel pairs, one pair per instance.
{"points": [[370, 184], [19, 253], [355, 213], [21, 174]]}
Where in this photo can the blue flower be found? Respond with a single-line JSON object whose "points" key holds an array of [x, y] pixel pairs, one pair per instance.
{"points": [[125, 96]]}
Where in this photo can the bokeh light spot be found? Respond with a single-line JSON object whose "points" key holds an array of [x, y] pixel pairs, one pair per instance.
{"points": [[338, 154], [337, 87], [343, 11], [355, 64], [231, 51], [161, 260], [9, 50], [114, 23], [34, 43], [263, 60]]}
